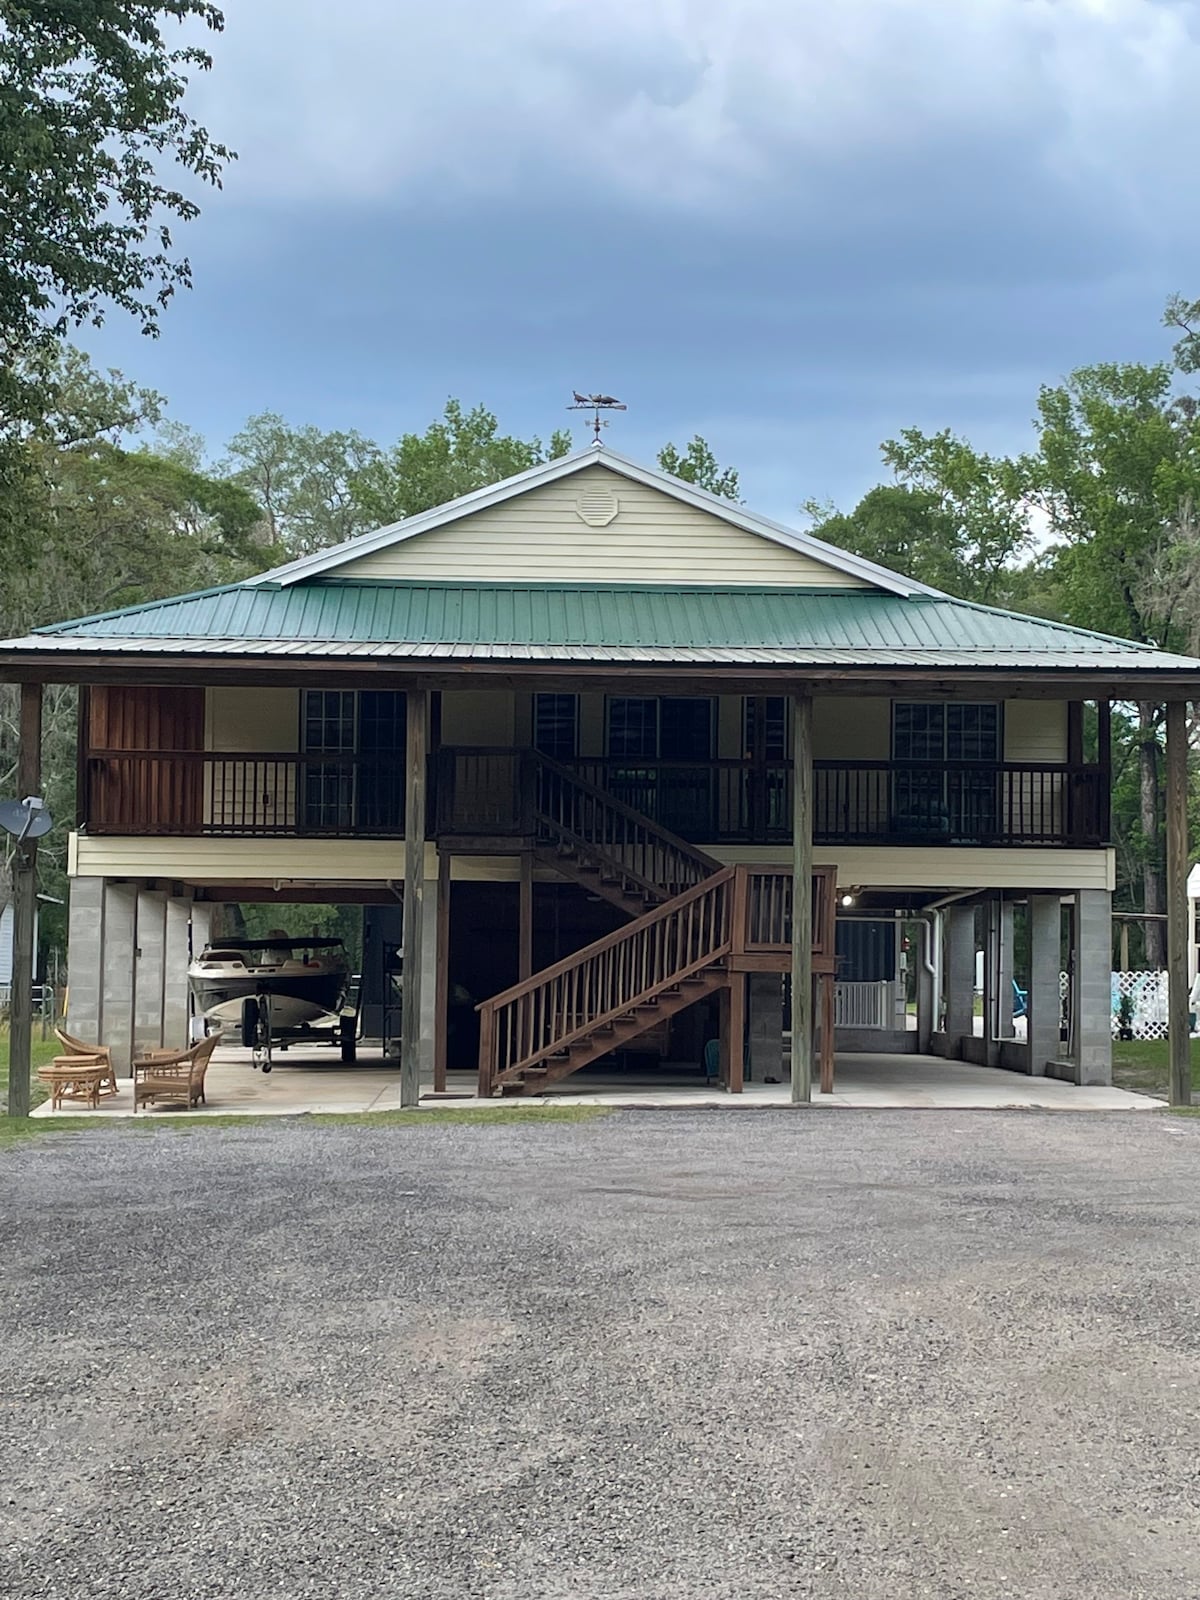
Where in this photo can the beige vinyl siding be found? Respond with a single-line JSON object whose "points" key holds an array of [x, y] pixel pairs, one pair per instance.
{"points": [[1035, 730], [538, 537], [250, 861], [949, 867], [252, 722], [852, 730]]}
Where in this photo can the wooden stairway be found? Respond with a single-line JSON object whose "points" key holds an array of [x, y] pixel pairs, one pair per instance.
{"points": [[697, 927], [600, 998], [585, 834]]}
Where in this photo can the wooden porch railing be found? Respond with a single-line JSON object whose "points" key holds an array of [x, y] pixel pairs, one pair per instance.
{"points": [[267, 795]]}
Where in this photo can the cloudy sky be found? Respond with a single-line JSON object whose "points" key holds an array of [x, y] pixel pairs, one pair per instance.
{"points": [[791, 226]]}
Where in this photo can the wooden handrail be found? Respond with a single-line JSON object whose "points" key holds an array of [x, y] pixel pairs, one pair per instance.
{"points": [[609, 942], [546, 1013], [702, 859]]}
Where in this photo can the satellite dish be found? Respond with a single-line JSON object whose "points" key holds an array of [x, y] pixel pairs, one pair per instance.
{"points": [[25, 820]]}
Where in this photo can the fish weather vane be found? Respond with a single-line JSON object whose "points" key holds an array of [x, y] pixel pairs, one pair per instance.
{"points": [[596, 403]]}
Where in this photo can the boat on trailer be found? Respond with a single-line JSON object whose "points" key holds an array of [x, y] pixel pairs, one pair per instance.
{"points": [[303, 980]]}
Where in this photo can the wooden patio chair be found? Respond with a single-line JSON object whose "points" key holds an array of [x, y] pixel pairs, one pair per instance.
{"points": [[79, 1047], [174, 1077]]}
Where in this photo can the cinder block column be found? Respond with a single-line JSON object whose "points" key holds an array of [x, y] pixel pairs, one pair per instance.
{"points": [[175, 965], [150, 970], [85, 945], [118, 959], [765, 1001], [1093, 986], [1004, 993], [1043, 1021], [960, 971]]}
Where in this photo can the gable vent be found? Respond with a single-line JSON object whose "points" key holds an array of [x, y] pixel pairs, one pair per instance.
{"points": [[597, 505]]}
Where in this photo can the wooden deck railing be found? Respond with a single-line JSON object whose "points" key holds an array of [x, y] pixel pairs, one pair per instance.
{"points": [[267, 795], [494, 792]]}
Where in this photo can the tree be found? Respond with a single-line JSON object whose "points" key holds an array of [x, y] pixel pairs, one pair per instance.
{"points": [[461, 451], [303, 481], [91, 110], [902, 528], [1184, 316], [108, 521], [699, 465]]}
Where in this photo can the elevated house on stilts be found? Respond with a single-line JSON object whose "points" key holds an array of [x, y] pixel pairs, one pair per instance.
{"points": [[619, 750]]}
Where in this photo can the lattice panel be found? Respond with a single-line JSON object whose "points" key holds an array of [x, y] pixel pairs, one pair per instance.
{"points": [[1148, 992]]}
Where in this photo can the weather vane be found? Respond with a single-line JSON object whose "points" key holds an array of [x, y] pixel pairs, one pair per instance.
{"points": [[596, 403]]}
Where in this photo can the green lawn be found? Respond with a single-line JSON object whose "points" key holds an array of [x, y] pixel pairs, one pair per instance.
{"points": [[1141, 1065], [43, 1050]]}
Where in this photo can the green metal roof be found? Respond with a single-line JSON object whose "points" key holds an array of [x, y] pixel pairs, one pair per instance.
{"points": [[594, 622]]}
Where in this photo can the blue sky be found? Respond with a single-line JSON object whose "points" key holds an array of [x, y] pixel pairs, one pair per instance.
{"points": [[795, 228]]}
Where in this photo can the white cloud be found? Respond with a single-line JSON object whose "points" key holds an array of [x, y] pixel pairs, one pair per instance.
{"points": [[690, 101]]}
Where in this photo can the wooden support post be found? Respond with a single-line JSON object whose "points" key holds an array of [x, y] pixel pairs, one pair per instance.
{"points": [[414, 896], [802, 861], [24, 903], [735, 1076], [525, 930], [441, 1018], [827, 1031], [1180, 1045]]}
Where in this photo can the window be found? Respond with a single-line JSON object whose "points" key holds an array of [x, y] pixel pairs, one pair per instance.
{"points": [[670, 728], [775, 726], [356, 782], [937, 796], [660, 752], [924, 730], [556, 725]]}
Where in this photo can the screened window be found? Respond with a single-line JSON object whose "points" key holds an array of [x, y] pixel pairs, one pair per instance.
{"points": [[556, 725], [667, 728]]}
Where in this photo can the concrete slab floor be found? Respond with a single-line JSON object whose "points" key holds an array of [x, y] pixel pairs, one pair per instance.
{"points": [[309, 1079]]}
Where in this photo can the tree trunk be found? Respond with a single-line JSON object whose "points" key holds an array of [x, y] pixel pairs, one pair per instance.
{"points": [[1154, 898]]}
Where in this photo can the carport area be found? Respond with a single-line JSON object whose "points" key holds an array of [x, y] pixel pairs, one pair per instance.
{"points": [[310, 1079]]}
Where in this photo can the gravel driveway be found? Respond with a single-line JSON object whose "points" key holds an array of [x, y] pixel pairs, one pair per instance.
{"points": [[876, 1355]]}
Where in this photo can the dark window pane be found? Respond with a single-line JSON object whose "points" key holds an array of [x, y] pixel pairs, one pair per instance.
{"points": [[556, 725], [685, 729], [632, 727]]}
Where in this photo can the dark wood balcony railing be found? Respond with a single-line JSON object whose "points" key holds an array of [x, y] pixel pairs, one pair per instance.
{"points": [[493, 793], [244, 796]]}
